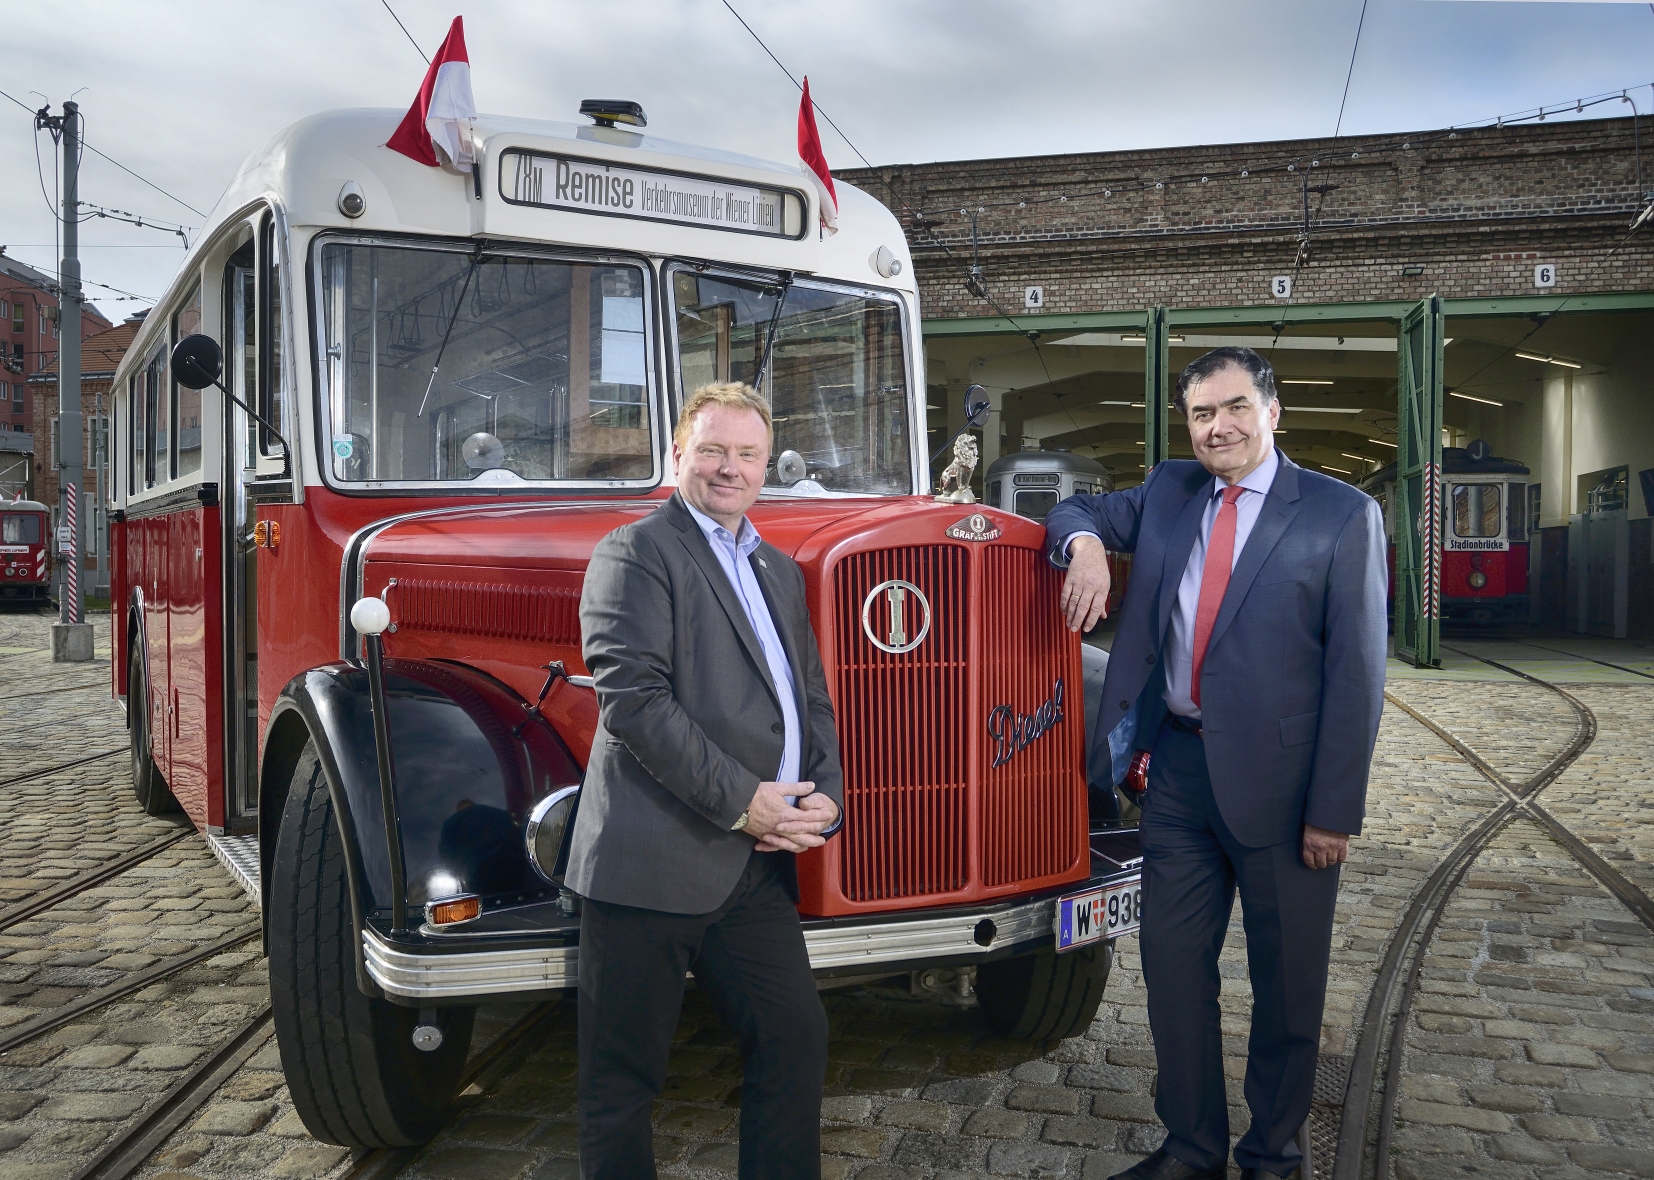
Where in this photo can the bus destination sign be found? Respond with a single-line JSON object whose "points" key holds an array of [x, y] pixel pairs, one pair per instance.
{"points": [[549, 181]]}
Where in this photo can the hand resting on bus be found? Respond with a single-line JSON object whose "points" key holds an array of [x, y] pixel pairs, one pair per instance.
{"points": [[1085, 589], [780, 826]]}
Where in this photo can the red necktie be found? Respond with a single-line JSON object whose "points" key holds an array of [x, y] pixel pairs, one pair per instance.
{"points": [[1214, 580]]}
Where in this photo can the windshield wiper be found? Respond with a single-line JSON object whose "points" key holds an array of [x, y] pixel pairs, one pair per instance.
{"points": [[769, 333], [459, 304]]}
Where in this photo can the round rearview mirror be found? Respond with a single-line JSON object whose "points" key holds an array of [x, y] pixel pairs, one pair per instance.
{"points": [[977, 406], [790, 468], [483, 452], [546, 833], [197, 361]]}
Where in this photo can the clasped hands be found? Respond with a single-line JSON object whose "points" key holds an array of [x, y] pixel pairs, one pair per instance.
{"points": [[780, 826]]}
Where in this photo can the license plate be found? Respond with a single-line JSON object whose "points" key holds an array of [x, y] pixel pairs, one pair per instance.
{"points": [[1098, 913]]}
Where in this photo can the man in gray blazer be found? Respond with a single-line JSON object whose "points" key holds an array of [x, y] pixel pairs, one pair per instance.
{"points": [[1250, 659], [715, 760]]}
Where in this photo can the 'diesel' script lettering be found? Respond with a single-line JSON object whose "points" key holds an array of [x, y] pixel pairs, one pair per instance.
{"points": [[1013, 732]]}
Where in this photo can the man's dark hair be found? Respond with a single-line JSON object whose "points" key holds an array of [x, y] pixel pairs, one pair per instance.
{"points": [[1229, 356]]}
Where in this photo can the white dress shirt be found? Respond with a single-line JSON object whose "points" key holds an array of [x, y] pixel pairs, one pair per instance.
{"points": [[734, 554], [1180, 650]]}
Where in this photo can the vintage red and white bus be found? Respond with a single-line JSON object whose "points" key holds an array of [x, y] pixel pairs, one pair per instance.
{"points": [[25, 557], [460, 385]]}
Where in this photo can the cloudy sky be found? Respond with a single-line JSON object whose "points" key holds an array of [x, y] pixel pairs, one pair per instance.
{"points": [[178, 92]]}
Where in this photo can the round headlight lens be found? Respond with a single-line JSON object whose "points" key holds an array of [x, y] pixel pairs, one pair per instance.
{"points": [[1477, 580]]}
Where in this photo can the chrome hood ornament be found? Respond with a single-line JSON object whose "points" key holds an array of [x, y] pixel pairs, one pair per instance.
{"points": [[957, 475]]}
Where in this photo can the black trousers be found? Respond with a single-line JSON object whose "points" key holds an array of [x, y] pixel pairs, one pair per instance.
{"points": [[748, 956], [1192, 867]]}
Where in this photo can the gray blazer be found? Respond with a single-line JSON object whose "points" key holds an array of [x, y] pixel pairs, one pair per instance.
{"points": [[689, 722], [1293, 685]]}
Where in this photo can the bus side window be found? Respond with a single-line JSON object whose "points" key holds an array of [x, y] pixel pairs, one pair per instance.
{"points": [[269, 337], [185, 404], [135, 429]]}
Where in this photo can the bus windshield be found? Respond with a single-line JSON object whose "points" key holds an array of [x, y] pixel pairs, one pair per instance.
{"points": [[836, 379], [543, 371]]}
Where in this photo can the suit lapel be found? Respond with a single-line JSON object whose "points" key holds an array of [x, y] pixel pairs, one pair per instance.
{"points": [[783, 616], [1280, 506], [689, 532]]}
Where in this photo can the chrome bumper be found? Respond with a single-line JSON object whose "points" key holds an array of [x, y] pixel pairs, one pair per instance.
{"points": [[954, 936]]}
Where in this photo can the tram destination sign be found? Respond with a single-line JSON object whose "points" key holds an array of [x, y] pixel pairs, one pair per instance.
{"points": [[549, 181]]}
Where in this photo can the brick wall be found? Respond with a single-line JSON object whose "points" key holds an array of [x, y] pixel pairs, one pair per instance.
{"points": [[1466, 214]]}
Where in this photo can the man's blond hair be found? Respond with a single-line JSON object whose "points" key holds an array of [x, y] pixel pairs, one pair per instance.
{"points": [[734, 395]]}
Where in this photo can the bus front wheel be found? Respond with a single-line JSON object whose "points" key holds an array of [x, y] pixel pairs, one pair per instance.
{"points": [[1044, 996], [354, 1073]]}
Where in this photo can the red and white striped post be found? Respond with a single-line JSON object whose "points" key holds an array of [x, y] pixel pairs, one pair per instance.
{"points": [[74, 611]]}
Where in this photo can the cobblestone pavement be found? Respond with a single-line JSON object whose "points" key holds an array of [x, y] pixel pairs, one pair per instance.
{"points": [[916, 1089]]}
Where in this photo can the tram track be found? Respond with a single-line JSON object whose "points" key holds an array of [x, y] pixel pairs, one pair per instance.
{"points": [[95, 875], [1385, 1024], [70, 765]]}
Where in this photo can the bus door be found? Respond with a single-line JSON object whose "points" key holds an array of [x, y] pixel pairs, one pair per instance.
{"points": [[237, 510]]}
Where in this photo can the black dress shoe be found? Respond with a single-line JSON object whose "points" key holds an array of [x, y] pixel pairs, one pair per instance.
{"points": [[1162, 1166], [1262, 1174]]}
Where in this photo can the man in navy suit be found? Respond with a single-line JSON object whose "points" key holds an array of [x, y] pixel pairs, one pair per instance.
{"points": [[1250, 659]]}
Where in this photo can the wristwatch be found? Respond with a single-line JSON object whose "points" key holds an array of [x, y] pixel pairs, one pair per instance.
{"points": [[741, 824]]}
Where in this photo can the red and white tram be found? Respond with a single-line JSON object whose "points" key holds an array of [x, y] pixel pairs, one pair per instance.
{"points": [[459, 389], [25, 551], [1484, 560]]}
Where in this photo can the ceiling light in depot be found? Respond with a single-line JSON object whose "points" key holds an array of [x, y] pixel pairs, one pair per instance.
{"points": [[1363, 458], [1327, 467], [1486, 401], [1382, 443], [1544, 359], [1306, 381], [1323, 409]]}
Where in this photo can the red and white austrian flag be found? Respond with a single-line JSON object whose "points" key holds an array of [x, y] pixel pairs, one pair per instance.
{"points": [[815, 164], [443, 111]]}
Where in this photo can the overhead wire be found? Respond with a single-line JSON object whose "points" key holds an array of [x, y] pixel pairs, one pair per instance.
{"points": [[405, 32]]}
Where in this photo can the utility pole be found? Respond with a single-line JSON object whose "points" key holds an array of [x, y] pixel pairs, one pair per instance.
{"points": [[72, 635]]}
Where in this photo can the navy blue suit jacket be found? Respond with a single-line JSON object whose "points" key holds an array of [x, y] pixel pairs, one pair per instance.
{"points": [[1293, 683]]}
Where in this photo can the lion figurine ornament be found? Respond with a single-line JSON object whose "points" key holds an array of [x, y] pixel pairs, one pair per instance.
{"points": [[955, 485]]}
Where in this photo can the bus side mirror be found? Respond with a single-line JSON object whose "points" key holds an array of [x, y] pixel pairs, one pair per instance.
{"points": [[197, 361], [977, 406]]}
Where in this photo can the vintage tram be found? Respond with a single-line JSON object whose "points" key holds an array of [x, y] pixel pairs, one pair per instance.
{"points": [[25, 551], [1484, 559], [1030, 483], [454, 386]]}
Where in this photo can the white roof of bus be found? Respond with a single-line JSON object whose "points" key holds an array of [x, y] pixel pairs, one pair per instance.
{"points": [[305, 165]]}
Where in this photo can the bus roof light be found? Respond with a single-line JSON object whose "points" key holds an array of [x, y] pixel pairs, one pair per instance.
{"points": [[606, 112]]}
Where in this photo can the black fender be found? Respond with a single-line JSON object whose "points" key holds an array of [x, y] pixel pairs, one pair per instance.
{"points": [[469, 761], [136, 634], [1104, 799]]}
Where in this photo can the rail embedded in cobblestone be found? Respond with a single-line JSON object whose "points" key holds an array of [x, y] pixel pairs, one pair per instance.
{"points": [[93, 876], [61, 766], [126, 1153], [74, 1010], [1398, 977]]}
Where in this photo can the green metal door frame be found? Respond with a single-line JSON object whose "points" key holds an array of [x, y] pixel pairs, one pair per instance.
{"points": [[1156, 387], [1420, 356]]}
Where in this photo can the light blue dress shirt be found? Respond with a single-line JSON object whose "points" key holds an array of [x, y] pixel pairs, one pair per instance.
{"points": [[1180, 644], [1180, 650], [734, 554]]}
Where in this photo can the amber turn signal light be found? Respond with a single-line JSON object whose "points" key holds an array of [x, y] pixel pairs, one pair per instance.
{"points": [[453, 910]]}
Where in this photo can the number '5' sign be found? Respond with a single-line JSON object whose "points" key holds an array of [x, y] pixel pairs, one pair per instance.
{"points": [[1281, 286]]}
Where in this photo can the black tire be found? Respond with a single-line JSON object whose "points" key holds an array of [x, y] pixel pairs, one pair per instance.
{"points": [[1044, 996], [352, 1069], [150, 788]]}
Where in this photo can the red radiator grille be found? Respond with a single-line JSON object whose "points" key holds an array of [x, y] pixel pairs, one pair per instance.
{"points": [[901, 727], [1033, 818], [550, 614]]}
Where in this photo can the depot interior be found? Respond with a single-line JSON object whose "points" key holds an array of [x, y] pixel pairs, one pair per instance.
{"points": [[1568, 395]]}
